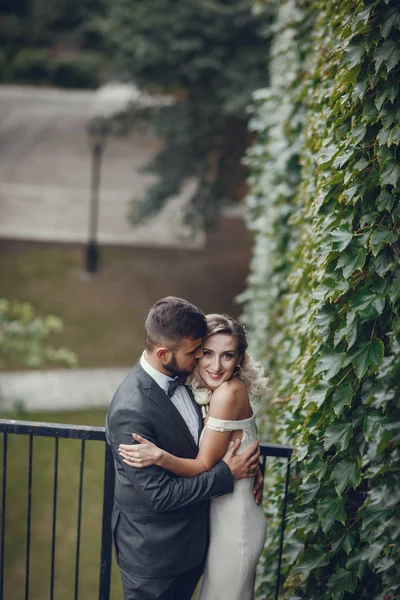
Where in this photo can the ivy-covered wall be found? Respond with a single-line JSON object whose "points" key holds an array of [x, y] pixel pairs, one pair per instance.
{"points": [[324, 291]]}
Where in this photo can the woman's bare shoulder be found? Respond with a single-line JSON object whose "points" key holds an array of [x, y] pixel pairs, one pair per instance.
{"points": [[229, 400]]}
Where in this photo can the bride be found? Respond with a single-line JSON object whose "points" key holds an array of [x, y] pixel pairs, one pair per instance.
{"points": [[223, 380]]}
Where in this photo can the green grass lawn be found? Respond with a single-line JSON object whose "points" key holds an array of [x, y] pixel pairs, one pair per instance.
{"points": [[104, 316]]}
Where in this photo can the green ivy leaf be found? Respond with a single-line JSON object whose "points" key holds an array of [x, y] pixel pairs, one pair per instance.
{"points": [[338, 433], [358, 133], [374, 426], [324, 316], [342, 397], [318, 395], [341, 159], [317, 469], [383, 136], [393, 90], [361, 18], [390, 116], [352, 259], [391, 19], [330, 363], [382, 235], [394, 137], [340, 332], [342, 581], [385, 201], [346, 473], [370, 114], [345, 541], [365, 355], [389, 53], [342, 237], [326, 155], [383, 262], [313, 558], [394, 293], [352, 322], [390, 174], [359, 90], [369, 305], [384, 564], [348, 542], [351, 193], [381, 95], [353, 54], [385, 91], [361, 164], [331, 510], [372, 516], [310, 491]]}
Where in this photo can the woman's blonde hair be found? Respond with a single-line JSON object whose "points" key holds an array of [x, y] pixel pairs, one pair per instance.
{"points": [[248, 371]]}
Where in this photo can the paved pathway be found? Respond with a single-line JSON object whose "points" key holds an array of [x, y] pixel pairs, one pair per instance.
{"points": [[59, 389], [45, 163]]}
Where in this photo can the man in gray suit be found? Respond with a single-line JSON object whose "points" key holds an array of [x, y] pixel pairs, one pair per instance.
{"points": [[160, 521]]}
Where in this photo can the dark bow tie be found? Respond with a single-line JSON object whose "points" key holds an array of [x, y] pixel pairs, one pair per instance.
{"points": [[173, 384]]}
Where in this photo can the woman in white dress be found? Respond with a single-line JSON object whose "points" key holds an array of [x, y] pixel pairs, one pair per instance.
{"points": [[224, 379]]}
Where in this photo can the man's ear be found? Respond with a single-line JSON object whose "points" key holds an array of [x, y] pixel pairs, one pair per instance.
{"points": [[163, 354]]}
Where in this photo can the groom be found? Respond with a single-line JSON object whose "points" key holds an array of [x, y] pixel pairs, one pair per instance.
{"points": [[160, 521]]}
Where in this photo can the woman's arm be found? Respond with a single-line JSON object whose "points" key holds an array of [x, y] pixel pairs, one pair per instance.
{"points": [[214, 444], [146, 454]]}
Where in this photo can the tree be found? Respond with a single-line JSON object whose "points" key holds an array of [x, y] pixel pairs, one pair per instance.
{"points": [[211, 56], [23, 337], [323, 302]]}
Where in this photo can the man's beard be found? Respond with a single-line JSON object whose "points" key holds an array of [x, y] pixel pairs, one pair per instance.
{"points": [[173, 368]]}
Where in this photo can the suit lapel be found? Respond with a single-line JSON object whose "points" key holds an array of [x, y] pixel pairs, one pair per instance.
{"points": [[159, 397]]}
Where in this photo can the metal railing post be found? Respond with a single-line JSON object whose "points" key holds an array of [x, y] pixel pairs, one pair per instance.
{"points": [[285, 498], [106, 536]]}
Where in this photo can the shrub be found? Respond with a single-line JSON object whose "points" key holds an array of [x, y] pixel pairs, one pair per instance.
{"points": [[14, 33], [31, 66], [77, 70], [24, 337]]}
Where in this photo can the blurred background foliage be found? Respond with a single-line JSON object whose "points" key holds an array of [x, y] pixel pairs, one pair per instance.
{"points": [[23, 337], [58, 43], [210, 56]]}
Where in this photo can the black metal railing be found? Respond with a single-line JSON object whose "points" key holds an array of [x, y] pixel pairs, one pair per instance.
{"points": [[57, 431], [277, 451], [85, 434]]}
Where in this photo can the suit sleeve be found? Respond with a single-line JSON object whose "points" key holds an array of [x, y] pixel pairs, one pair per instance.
{"points": [[161, 490]]}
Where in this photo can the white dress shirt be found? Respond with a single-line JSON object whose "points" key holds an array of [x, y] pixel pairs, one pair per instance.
{"points": [[180, 399]]}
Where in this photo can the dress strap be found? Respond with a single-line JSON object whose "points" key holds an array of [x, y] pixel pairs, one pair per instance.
{"points": [[224, 425]]}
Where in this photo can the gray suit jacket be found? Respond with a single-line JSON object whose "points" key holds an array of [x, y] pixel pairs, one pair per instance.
{"points": [[160, 521]]}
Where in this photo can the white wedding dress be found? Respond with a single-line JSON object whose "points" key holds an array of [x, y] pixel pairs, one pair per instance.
{"points": [[237, 531]]}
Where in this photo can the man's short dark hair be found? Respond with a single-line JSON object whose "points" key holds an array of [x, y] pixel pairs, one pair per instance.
{"points": [[172, 319]]}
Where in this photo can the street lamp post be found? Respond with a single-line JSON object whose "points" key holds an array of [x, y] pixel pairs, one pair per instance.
{"points": [[97, 131]]}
